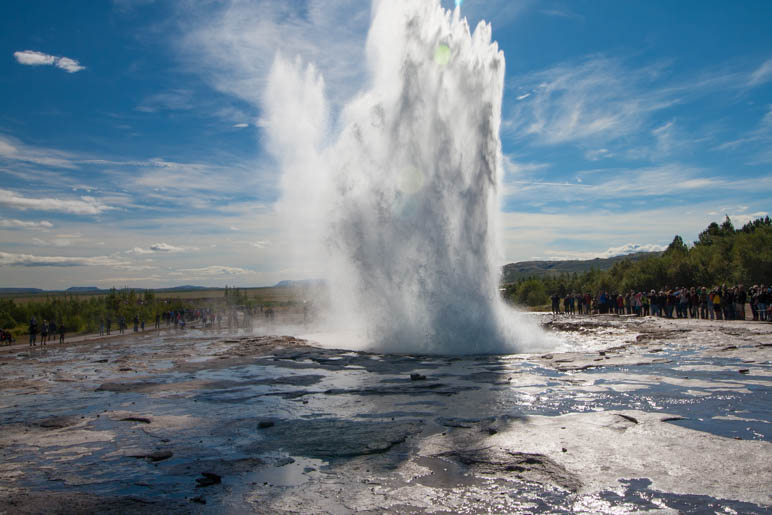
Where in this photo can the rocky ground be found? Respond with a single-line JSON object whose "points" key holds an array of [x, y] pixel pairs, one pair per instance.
{"points": [[628, 415]]}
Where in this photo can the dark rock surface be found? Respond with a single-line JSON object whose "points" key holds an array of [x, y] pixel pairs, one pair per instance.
{"points": [[627, 412]]}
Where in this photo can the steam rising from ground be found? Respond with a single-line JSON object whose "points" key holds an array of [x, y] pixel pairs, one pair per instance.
{"points": [[401, 202]]}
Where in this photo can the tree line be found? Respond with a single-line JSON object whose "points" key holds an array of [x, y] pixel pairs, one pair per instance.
{"points": [[84, 313], [720, 255]]}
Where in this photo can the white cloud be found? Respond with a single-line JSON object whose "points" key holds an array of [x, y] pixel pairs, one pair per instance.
{"points": [[35, 58], [212, 270], [512, 167], [9, 259], [7, 223], [13, 149], [232, 44], [560, 13], [69, 65], [762, 74], [85, 206], [637, 183], [240, 125], [158, 247], [56, 242], [596, 98], [261, 244], [597, 155], [173, 100]]}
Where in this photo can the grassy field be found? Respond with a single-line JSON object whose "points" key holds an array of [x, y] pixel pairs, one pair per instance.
{"points": [[264, 295]]}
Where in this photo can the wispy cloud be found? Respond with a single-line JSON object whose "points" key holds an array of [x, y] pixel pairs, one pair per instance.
{"points": [[762, 74], [562, 13], [35, 58], [212, 270], [611, 184], [596, 98], [232, 44], [84, 206], [158, 247], [28, 260], [11, 223], [13, 149], [173, 100]]}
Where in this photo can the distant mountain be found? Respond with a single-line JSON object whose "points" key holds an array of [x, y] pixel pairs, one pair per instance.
{"points": [[524, 269], [6, 291], [82, 289], [186, 287]]}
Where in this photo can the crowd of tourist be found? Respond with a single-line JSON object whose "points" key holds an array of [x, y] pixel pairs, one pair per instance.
{"points": [[719, 303]]}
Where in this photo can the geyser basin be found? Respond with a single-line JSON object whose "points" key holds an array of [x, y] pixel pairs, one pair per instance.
{"points": [[404, 195]]}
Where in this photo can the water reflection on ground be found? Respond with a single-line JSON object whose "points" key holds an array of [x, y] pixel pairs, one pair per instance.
{"points": [[625, 416]]}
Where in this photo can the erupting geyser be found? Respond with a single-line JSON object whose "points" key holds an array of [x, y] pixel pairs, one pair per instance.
{"points": [[402, 201]]}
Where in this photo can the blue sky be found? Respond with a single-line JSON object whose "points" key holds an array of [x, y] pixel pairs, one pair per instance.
{"points": [[131, 149]]}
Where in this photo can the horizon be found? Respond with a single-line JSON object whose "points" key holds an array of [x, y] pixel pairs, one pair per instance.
{"points": [[132, 140]]}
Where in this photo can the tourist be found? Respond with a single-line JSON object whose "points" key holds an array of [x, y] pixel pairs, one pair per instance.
{"points": [[61, 332], [43, 332], [52, 329], [33, 331], [717, 303], [101, 327]]}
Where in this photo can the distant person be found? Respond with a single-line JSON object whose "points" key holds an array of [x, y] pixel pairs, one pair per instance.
{"points": [[157, 321], [136, 323], [101, 327], [33, 331], [61, 332], [121, 325], [52, 329], [108, 324], [43, 332]]}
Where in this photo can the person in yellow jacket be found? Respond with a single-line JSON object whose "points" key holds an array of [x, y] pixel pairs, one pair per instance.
{"points": [[717, 303]]}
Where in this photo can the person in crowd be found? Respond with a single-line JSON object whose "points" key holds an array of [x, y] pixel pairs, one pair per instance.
{"points": [[762, 302], [61, 332], [52, 329], [33, 331], [717, 303], [740, 298], [43, 332]]}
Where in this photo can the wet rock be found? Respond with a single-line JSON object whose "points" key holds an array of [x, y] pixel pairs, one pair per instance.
{"points": [[628, 418], [525, 466], [136, 419], [333, 438], [154, 456], [744, 371], [264, 424], [417, 377], [198, 500], [58, 422], [142, 386], [208, 479]]}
